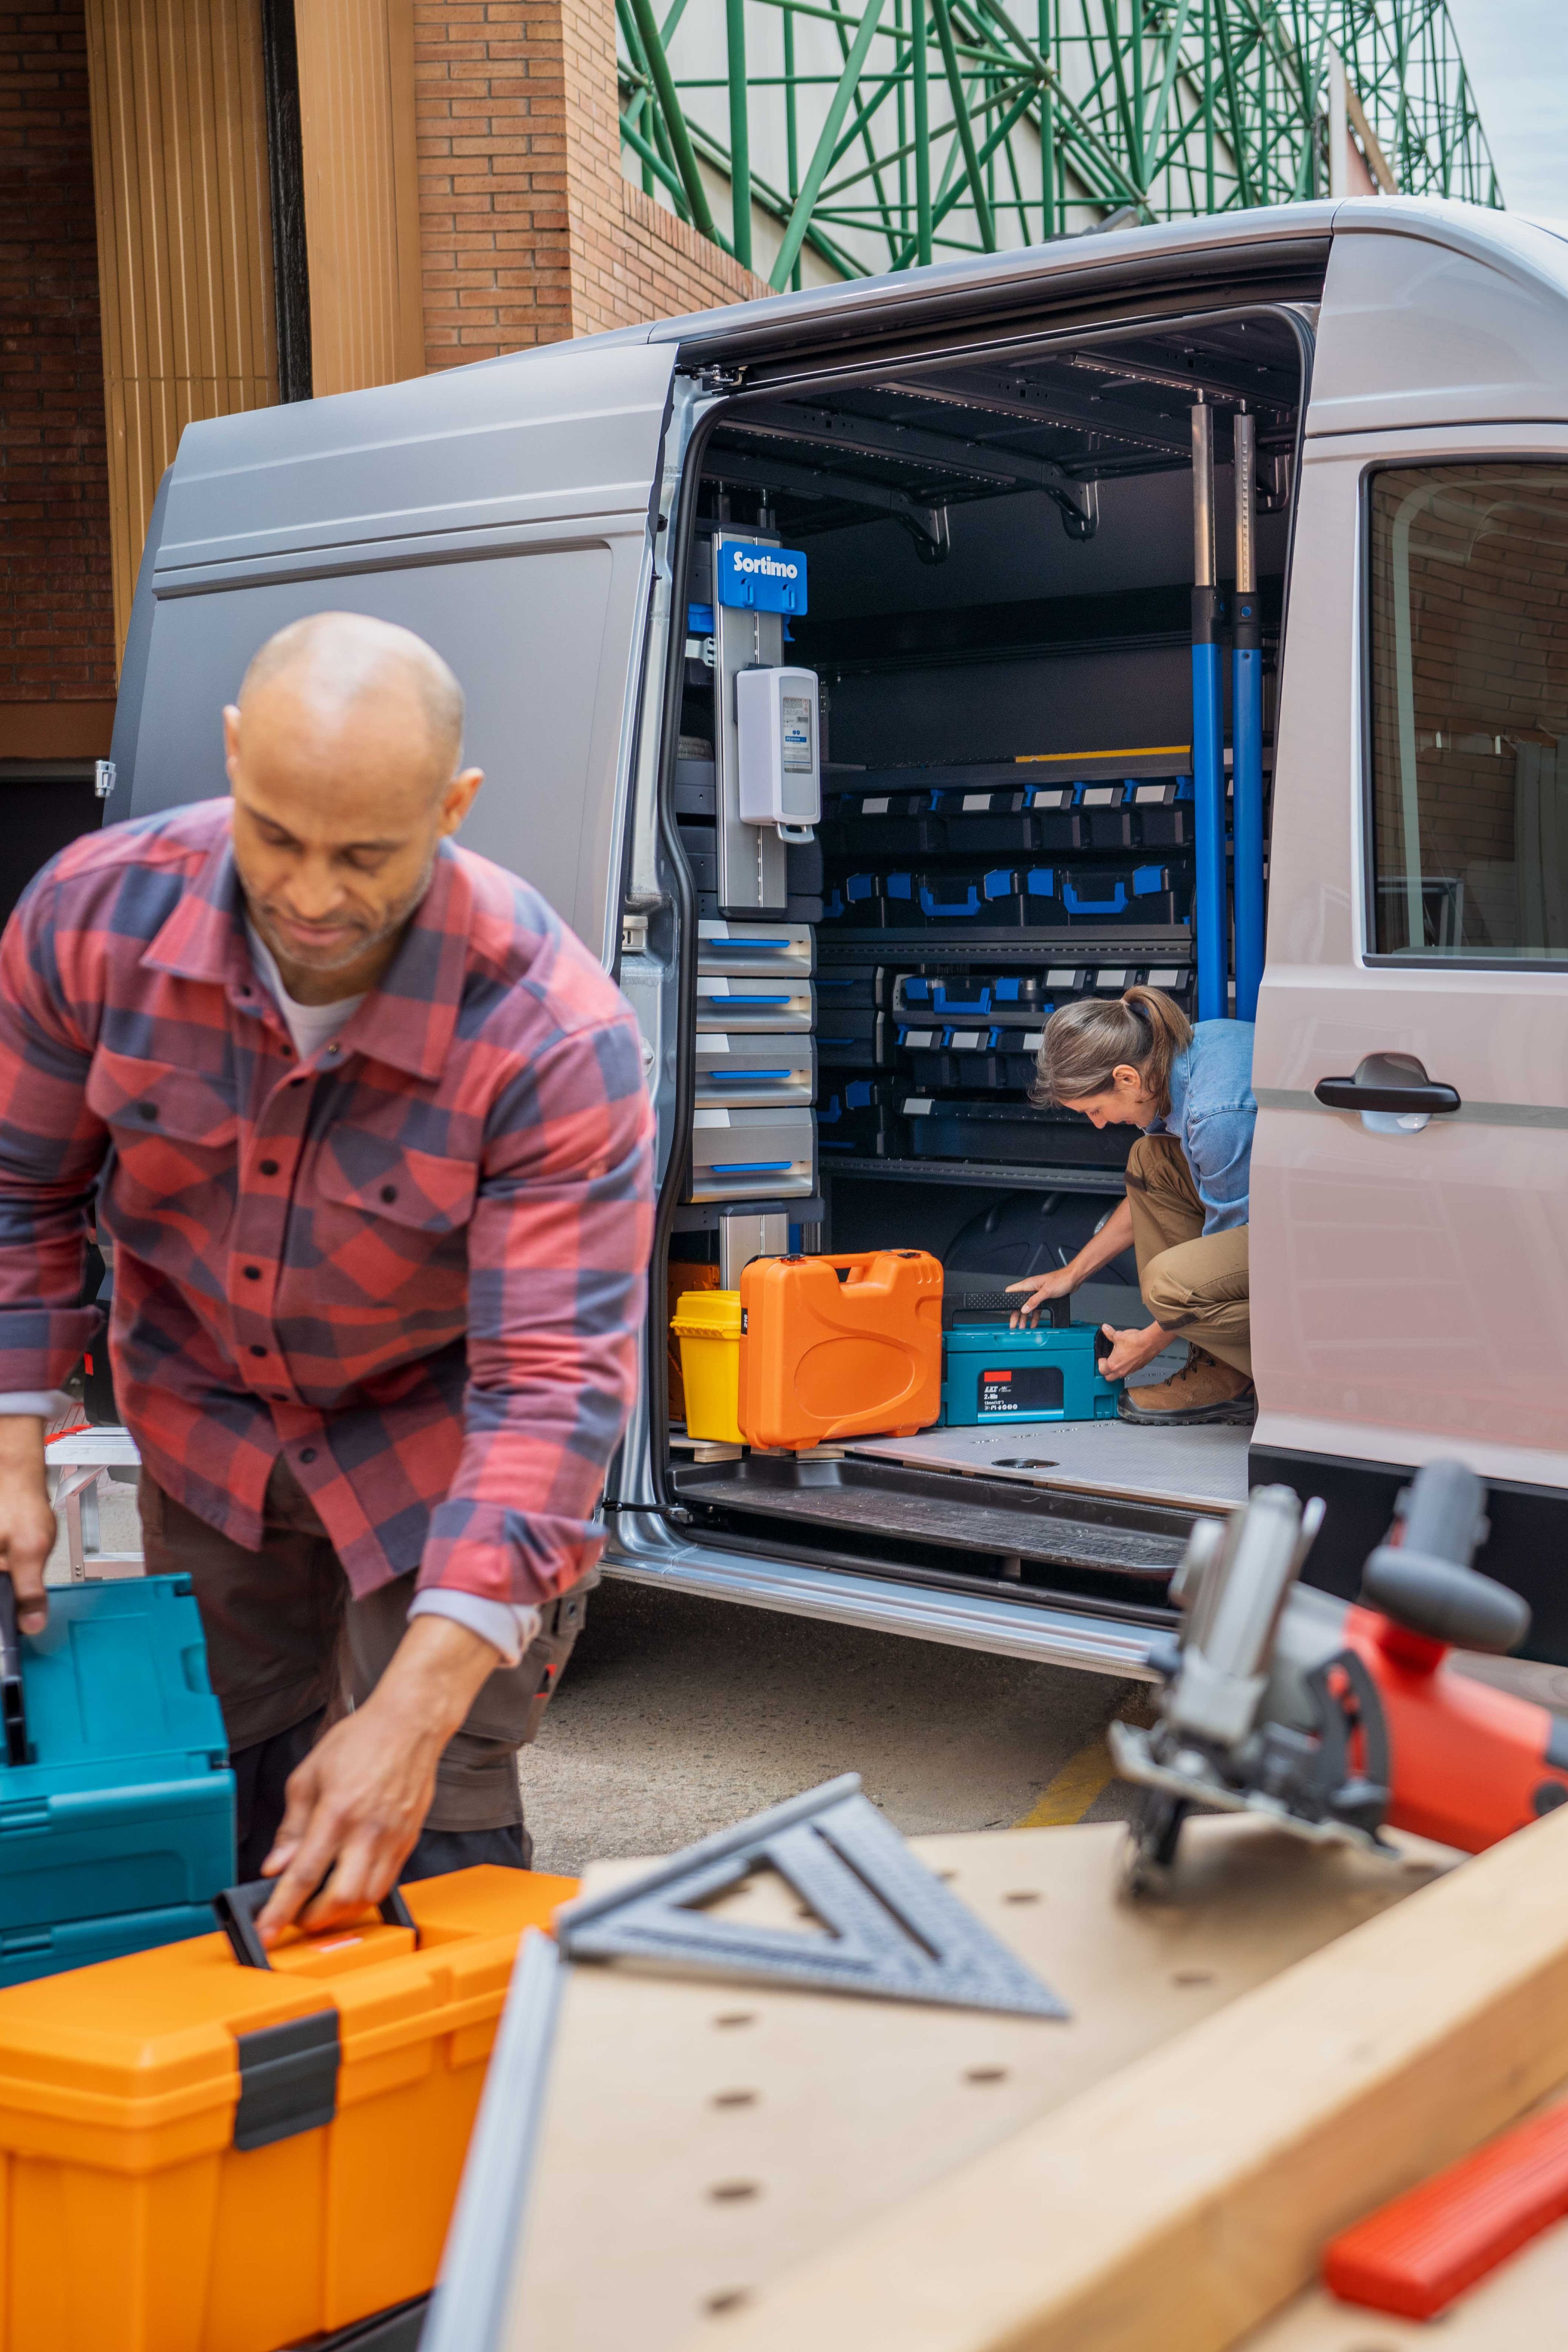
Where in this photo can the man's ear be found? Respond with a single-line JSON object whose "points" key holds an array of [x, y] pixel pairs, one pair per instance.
{"points": [[457, 799], [231, 740]]}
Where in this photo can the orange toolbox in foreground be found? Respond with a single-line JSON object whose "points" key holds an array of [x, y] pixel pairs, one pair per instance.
{"points": [[839, 1347], [201, 2155]]}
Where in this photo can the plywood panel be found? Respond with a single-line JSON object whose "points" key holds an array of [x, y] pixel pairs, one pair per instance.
{"points": [[185, 238], [362, 226], [1189, 2196], [699, 2139]]}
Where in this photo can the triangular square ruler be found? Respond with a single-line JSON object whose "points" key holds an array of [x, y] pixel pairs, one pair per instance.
{"points": [[893, 1929]]}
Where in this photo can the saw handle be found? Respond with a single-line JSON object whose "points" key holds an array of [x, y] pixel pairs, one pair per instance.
{"points": [[1426, 1583], [13, 1701]]}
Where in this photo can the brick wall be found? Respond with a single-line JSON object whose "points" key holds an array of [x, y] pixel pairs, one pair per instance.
{"points": [[56, 622], [531, 232]]}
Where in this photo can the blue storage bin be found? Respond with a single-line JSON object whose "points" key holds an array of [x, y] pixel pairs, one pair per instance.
{"points": [[27, 1953], [993, 1374], [124, 1804]]}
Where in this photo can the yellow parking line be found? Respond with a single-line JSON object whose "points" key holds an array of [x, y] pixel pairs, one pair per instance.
{"points": [[1070, 1795]]}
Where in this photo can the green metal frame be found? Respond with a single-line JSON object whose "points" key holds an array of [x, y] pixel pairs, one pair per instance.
{"points": [[901, 130]]}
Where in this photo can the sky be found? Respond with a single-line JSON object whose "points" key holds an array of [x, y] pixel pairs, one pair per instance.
{"points": [[1516, 53]]}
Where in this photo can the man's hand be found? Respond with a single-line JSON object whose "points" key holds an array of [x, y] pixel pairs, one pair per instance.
{"points": [[1060, 1283], [1130, 1350], [358, 1802], [26, 1522]]}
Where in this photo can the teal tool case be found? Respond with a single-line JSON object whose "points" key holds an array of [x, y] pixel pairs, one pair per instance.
{"points": [[117, 1804], [990, 1374]]}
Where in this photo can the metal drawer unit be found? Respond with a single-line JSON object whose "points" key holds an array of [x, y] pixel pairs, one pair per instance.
{"points": [[752, 1155], [753, 1128], [752, 1072]]}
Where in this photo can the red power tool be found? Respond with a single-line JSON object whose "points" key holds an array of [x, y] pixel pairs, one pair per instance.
{"points": [[1337, 1719]]}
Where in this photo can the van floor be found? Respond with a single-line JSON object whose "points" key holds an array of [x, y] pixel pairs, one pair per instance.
{"points": [[1205, 1468]]}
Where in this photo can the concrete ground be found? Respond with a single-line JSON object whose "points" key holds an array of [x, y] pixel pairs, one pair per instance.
{"points": [[678, 1716]]}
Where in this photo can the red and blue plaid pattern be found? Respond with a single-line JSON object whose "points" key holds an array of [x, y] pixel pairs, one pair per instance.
{"points": [[413, 1264]]}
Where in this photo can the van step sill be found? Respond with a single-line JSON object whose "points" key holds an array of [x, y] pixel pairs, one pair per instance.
{"points": [[956, 1513]]}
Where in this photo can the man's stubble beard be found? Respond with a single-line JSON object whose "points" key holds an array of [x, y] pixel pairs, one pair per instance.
{"points": [[364, 945]]}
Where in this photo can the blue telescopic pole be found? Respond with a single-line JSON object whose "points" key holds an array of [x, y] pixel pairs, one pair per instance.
{"points": [[1208, 733], [1247, 736]]}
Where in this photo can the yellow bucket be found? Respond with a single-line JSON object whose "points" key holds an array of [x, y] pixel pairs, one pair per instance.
{"points": [[708, 1325]]}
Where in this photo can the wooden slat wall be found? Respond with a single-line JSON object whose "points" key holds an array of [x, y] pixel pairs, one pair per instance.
{"points": [[185, 238], [361, 199]]}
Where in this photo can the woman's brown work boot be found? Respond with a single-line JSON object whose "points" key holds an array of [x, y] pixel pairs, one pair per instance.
{"points": [[1204, 1389]]}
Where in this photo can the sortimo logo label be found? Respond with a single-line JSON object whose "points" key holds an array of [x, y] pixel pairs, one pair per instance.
{"points": [[773, 567], [762, 579]]}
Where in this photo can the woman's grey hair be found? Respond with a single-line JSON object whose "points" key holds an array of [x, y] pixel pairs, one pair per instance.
{"points": [[1085, 1043]]}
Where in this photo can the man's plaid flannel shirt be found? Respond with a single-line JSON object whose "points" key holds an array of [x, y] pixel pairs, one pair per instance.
{"points": [[413, 1266]]}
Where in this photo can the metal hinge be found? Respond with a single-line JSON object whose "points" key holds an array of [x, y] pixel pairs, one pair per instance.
{"points": [[103, 777]]}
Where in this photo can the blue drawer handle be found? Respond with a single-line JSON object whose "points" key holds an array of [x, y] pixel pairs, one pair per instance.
{"points": [[749, 1078], [930, 906], [722, 1001], [751, 1167], [942, 1002], [1077, 906]]}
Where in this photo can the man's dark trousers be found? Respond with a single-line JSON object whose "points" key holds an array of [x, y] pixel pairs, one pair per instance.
{"points": [[289, 1650]]}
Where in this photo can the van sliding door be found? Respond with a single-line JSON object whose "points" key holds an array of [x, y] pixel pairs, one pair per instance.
{"points": [[1410, 1172]]}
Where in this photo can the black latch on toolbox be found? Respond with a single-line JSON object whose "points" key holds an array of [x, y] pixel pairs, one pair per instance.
{"points": [[13, 1705], [287, 2079]]}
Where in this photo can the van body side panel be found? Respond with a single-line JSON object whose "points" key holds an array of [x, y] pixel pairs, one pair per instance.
{"points": [[501, 512], [1428, 319]]}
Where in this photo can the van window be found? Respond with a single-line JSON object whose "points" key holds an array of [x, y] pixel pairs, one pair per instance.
{"points": [[1469, 712]]}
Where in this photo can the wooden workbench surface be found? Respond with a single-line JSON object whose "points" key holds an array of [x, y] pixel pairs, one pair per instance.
{"points": [[701, 2138]]}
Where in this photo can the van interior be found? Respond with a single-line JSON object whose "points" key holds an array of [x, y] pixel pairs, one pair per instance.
{"points": [[1000, 547]]}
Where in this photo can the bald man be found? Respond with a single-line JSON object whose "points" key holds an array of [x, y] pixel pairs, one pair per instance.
{"points": [[366, 1127]]}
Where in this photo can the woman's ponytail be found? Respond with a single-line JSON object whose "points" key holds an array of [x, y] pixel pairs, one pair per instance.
{"points": [[1085, 1043]]}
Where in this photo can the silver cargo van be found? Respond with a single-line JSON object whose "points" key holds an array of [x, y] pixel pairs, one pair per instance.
{"points": [[980, 481]]}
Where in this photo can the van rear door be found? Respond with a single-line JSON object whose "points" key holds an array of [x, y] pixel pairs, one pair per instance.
{"points": [[1410, 1171], [501, 510]]}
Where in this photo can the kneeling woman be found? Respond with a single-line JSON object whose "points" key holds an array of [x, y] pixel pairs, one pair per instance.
{"points": [[1136, 1061]]}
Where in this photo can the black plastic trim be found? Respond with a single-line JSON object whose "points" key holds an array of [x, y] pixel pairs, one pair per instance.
{"points": [[287, 2079], [1525, 1550]]}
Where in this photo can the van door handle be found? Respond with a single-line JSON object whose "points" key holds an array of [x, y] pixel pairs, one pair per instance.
{"points": [[1392, 1092], [1351, 1094]]}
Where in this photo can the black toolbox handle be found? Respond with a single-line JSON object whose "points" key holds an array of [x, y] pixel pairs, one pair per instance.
{"points": [[237, 1908], [12, 1702]]}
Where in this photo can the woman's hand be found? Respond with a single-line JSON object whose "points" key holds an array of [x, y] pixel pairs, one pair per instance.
{"points": [[1130, 1350], [1060, 1283]]}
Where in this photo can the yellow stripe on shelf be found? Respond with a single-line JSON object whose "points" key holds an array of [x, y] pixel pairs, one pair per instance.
{"points": [[1144, 751]]}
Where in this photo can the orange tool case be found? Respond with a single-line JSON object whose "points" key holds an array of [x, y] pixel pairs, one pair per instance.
{"points": [[840, 1347], [202, 2155]]}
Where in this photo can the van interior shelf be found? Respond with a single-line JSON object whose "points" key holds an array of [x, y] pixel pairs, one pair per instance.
{"points": [[1014, 1176], [1152, 943]]}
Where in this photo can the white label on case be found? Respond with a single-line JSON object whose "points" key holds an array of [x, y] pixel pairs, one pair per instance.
{"points": [[1165, 979], [710, 1119], [917, 1106], [1062, 979], [714, 1043], [1100, 795], [877, 807], [977, 800], [1147, 793], [966, 1041]]}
